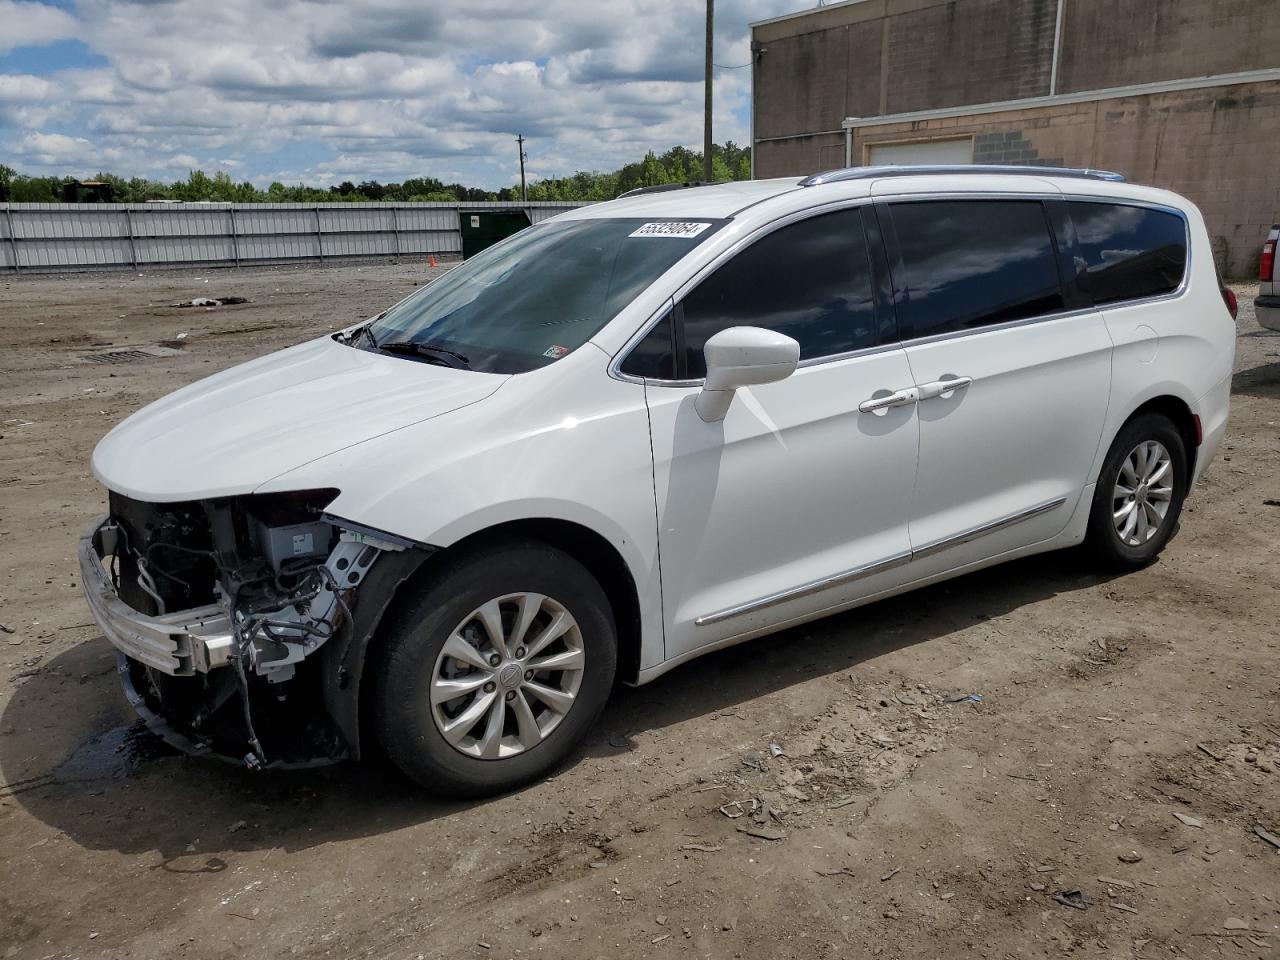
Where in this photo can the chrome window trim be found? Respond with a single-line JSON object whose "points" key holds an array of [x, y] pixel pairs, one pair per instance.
{"points": [[1057, 314], [881, 566], [831, 206], [997, 327], [1149, 205], [619, 358], [834, 205]]}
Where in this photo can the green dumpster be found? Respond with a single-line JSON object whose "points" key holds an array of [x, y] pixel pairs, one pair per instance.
{"points": [[484, 228]]}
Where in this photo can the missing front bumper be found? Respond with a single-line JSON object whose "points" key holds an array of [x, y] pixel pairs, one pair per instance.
{"points": [[180, 644]]}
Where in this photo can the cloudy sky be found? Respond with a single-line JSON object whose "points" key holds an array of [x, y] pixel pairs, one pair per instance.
{"points": [[320, 91]]}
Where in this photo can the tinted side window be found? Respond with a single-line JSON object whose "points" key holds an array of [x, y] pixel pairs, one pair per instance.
{"points": [[971, 263], [654, 357], [810, 280], [1127, 252]]}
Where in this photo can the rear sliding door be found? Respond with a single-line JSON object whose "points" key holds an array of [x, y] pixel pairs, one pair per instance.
{"points": [[1013, 375]]}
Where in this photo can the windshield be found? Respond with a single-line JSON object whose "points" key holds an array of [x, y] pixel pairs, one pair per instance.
{"points": [[540, 295]]}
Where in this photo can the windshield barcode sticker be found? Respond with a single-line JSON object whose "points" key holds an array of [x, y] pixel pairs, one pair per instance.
{"points": [[669, 229]]}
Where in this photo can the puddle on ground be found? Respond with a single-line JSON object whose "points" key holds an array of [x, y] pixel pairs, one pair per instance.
{"points": [[118, 753]]}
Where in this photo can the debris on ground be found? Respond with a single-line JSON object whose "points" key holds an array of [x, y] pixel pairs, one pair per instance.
{"points": [[1204, 748], [1116, 882], [1133, 856], [1189, 820], [210, 302], [891, 874], [1074, 899], [776, 751], [1235, 923], [237, 826], [703, 847], [1270, 838], [843, 871], [763, 831], [739, 808], [963, 698], [1123, 906]]}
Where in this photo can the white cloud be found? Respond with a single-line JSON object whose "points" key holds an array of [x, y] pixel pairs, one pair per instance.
{"points": [[383, 89], [33, 24], [23, 88]]}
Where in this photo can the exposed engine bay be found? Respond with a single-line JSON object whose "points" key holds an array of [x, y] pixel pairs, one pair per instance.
{"points": [[220, 608]]}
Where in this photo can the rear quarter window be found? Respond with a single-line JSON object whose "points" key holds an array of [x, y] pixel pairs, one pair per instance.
{"points": [[1126, 252]]}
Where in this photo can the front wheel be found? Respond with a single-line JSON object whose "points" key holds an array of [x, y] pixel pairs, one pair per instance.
{"points": [[1139, 495], [496, 671]]}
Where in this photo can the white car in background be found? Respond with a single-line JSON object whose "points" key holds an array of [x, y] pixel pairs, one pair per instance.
{"points": [[644, 430]]}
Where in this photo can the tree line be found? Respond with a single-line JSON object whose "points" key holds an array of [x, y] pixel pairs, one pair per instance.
{"points": [[677, 165]]}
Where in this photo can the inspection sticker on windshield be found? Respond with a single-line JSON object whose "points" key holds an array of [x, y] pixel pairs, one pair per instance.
{"points": [[681, 229]]}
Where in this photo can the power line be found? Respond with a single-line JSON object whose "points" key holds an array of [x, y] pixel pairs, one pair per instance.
{"points": [[721, 66]]}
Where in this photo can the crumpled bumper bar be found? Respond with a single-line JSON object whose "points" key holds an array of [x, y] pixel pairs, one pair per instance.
{"points": [[179, 644]]}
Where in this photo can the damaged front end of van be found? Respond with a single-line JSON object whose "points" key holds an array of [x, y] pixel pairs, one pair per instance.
{"points": [[240, 622]]}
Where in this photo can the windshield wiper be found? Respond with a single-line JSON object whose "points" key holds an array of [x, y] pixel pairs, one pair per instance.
{"points": [[367, 332], [446, 358]]}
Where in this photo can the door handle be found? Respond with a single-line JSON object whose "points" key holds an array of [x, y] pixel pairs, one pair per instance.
{"points": [[901, 398], [938, 387]]}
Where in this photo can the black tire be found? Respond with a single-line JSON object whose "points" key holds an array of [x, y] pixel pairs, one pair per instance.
{"points": [[406, 666], [1103, 541]]}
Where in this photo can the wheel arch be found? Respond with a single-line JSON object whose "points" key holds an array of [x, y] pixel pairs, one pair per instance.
{"points": [[348, 697], [594, 551], [1177, 411]]}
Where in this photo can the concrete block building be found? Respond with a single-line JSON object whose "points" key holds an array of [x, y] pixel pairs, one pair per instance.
{"points": [[1183, 94]]}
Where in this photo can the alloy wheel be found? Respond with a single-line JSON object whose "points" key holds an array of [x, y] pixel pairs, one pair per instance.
{"points": [[507, 676], [1143, 492]]}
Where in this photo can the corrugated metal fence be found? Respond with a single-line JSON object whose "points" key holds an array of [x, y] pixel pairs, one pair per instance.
{"points": [[97, 236]]}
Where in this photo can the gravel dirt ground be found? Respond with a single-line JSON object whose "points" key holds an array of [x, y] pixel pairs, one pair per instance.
{"points": [[1126, 743]]}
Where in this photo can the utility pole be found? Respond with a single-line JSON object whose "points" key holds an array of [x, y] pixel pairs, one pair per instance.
{"points": [[524, 193], [706, 107]]}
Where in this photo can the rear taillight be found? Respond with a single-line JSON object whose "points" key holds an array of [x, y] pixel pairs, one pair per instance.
{"points": [[1268, 262], [1229, 298]]}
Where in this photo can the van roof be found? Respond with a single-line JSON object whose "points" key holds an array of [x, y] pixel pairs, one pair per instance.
{"points": [[721, 200]]}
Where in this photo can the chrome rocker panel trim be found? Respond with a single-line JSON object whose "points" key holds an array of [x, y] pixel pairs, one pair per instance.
{"points": [[880, 566]]}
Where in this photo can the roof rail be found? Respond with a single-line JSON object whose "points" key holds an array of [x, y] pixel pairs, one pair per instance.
{"points": [[664, 187], [921, 170]]}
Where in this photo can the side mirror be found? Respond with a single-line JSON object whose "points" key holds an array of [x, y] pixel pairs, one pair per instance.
{"points": [[742, 357]]}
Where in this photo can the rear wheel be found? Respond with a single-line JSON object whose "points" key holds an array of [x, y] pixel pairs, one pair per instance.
{"points": [[1138, 499], [493, 675]]}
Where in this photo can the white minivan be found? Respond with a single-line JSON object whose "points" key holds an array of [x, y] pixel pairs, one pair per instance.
{"points": [[644, 430]]}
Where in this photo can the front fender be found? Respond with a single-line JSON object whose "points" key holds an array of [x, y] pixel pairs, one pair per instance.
{"points": [[343, 661]]}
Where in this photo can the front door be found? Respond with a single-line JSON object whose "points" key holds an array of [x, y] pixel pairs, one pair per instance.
{"points": [[1013, 381], [797, 501]]}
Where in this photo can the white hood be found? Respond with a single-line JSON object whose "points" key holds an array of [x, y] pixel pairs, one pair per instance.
{"points": [[234, 431]]}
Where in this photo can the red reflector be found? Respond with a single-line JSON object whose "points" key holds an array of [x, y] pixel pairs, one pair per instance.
{"points": [[1229, 297], [1268, 262], [1199, 429]]}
